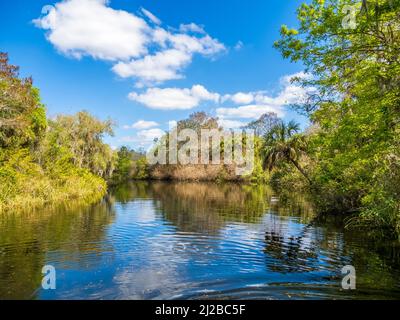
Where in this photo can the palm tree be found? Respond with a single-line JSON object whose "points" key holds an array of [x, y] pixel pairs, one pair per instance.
{"points": [[283, 143]]}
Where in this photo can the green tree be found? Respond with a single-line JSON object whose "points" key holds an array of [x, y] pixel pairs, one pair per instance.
{"points": [[38, 162], [141, 169], [283, 144], [356, 104], [264, 124], [82, 134], [130, 165], [22, 115], [198, 121]]}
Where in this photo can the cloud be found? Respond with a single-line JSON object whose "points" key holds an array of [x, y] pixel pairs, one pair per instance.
{"points": [[251, 104], [239, 45], [144, 138], [293, 92], [191, 27], [89, 28], [176, 52], [254, 104], [142, 124], [151, 134], [240, 98], [141, 49], [157, 68], [174, 98], [203, 44], [290, 92], [288, 79], [151, 16], [203, 94], [249, 112]]}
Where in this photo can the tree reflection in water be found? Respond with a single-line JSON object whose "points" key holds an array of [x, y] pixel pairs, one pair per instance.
{"points": [[26, 239], [159, 240]]}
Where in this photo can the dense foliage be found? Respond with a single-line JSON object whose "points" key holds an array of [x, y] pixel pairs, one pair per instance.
{"points": [[46, 161], [355, 106], [223, 171], [131, 165], [82, 135]]}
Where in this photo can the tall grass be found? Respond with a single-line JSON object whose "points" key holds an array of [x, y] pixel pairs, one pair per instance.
{"points": [[24, 185]]}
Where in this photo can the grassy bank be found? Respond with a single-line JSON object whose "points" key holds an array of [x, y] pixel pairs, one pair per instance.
{"points": [[32, 192], [25, 185]]}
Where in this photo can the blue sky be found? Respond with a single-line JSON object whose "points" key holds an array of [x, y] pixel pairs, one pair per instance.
{"points": [[145, 63]]}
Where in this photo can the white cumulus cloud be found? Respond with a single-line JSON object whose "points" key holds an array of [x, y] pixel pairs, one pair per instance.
{"points": [[176, 52], [90, 28], [249, 112], [151, 134], [254, 104], [142, 124], [240, 98], [174, 98], [144, 138], [141, 49], [251, 105], [164, 65]]}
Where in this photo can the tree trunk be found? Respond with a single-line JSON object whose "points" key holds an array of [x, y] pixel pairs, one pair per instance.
{"points": [[296, 164]]}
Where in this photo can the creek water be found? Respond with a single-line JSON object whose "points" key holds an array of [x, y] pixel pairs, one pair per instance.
{"points": [[158, 240]]}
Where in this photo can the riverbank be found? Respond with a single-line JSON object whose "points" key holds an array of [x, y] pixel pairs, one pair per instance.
{"points": [[24, 190]]}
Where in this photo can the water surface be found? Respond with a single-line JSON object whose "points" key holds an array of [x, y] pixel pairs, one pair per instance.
{"points": [[155, 240]]}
